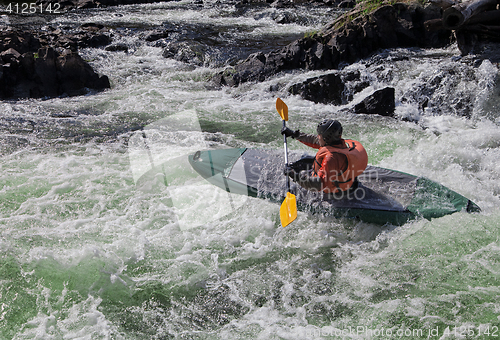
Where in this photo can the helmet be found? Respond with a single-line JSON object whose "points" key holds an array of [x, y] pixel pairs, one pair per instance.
{"points": [[330, 130]]}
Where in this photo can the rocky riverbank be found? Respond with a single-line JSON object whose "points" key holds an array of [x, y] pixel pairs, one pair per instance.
{"points": [[45, 63], [345, 40], [37, 64]]}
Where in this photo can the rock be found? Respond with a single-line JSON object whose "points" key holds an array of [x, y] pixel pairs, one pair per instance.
{"points": [[187, 52], [9, 56], [91, 35], [381, 102], [45, 74], [390, 26], [156, 35], [92, 40], [31, 71], [21, 41], [88, 35], [75, 75], [326, 89], [466, 41], [306, 53], [92, 27], [399, 25], [353, 84], [117, 47], [10, 59], [284, 18], [347, 4]]}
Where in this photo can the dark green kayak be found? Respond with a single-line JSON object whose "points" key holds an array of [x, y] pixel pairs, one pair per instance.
{"points": [[382, 196]]}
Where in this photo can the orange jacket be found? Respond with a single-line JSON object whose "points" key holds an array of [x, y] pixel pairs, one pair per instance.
{"points": [[335, 179], [339, 165]]}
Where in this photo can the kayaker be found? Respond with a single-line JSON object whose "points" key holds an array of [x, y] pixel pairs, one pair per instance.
{"points": [[337, 163]]}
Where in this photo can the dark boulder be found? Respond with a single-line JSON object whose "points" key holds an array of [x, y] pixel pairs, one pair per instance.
{"points": [[10, 56], [326, 89], [117, 47], [390, 26], [92, 35], [157, 35], [381, 102], [75, 75], [30, 71], [306, 53]]}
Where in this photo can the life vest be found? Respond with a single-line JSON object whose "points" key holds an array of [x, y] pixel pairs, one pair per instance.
{"points": [[338, 180]]}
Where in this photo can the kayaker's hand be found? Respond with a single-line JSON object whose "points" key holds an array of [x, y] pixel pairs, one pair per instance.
{"points": [[290, 133]]}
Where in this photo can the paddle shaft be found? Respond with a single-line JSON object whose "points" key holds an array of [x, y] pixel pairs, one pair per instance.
{"points": [[286, 157]]}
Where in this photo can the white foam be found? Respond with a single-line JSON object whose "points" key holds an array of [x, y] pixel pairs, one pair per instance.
{"points": [[76, 208]]}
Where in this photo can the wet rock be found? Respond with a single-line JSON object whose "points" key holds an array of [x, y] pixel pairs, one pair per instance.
{"points": [[347, 4], [381, 102], [92, 27], [326, 89], [156, 35], [117, 47], [187, 52], [92, 40], [75, 75], [390, 26], [353, 84], [285, 18], [29, 70], [344, 40], [10, 56], [21, 41], [306, 53], [92, 35], [88, 35]]}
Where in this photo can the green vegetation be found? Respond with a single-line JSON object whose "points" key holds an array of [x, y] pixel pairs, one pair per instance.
{"points": [[311, 34], [366, 7]]}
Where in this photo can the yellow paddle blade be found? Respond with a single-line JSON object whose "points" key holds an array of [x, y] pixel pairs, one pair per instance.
{"points": [[288, 210], [282, 109]]}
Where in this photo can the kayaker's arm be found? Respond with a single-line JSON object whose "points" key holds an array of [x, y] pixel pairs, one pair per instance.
{"points": [[305, 138], [309, 182], [304, 179]]}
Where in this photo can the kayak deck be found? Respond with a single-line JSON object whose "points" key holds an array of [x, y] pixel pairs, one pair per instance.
{"points": [[382, 196]]}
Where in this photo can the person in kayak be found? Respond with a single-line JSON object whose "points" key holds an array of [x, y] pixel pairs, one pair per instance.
{"points": [[337, 163]]}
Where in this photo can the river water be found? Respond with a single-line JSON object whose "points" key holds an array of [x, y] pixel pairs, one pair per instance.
{"points": [[106, 232]]}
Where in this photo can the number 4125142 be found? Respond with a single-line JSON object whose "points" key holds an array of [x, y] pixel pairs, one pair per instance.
{"points": [[32, 8]]}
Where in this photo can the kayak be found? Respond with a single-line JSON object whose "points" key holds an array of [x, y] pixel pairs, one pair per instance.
{"points": [[382, 195]]}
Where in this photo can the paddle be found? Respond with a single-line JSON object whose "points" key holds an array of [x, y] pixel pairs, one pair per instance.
{"points": [[288, 209]]}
